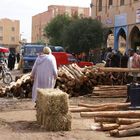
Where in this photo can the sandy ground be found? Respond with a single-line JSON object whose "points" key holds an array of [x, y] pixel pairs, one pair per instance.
{"points": [[18, 121]]}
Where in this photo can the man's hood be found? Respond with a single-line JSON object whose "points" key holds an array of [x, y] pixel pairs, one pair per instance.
{"points": [[41, 59]]}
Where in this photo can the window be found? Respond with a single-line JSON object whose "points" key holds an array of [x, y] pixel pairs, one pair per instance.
{"points": [[13, 29], [135, 0], [1, 38], [121, 2], [100, 5], [32, 50], [13, 39], [110, 3], [1, 28]]}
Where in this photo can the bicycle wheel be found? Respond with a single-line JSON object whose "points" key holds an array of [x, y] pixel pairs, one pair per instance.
{"points": [[7, 78]]}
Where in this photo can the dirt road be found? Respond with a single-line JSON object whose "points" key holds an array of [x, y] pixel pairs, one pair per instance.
{"points": [[18, 122]]}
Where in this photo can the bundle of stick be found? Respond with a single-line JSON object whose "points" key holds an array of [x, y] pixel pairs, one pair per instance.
{"points": [[116, 118]]}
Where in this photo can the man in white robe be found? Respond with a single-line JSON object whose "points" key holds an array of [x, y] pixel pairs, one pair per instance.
{"points": [[44, 72]]}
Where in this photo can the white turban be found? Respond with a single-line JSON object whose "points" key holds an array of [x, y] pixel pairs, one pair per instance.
{"points": [[46, 50]]}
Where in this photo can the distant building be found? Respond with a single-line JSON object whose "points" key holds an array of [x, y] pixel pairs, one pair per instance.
{"points": [[9, 33], [40, 20], [122, 17]]}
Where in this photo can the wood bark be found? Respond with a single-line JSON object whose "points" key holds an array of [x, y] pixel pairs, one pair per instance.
{"points": [[104, 105], [107, 87], [122, 114], [108, 96], [125, 133], [109, 126], [79, 109], [102, 108], [130, 126], [105, 119], [126, 121], [112, 69]]}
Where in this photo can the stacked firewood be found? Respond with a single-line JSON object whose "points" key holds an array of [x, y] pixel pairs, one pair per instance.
{"points": [[106, 91], [73, 80], [2, 91], [20, 88], [115, 118], [81, 81]]}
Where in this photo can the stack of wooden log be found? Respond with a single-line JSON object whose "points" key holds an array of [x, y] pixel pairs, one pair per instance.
{"points": [[107, 91], [73, 80], [20, 88], [115, 118], [2, 91], [81, 81]]}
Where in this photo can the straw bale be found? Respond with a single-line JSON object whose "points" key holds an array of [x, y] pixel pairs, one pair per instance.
{"points": [[39, 117], [52, 101], [57, 122]]}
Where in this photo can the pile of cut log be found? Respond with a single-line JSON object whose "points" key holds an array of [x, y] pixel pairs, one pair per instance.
{"points": [[107, 91], [115, 118], [22, 87], [81, 81], [74, 80]]}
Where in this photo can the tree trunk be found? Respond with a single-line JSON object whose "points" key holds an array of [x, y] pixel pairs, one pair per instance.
{"points": [[112, 69], [109, 126], [126, 133], [105, 119], [130, 126], [126, 121], [122, 114], [104, 105]]}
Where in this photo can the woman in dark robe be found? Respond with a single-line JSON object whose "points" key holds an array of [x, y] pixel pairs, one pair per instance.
{"points": [[11, 60]]}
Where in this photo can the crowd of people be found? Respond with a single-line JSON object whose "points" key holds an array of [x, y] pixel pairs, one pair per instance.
{"points": [[114, 58], [131, 59]]}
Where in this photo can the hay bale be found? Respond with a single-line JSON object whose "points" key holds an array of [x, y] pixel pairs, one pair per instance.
{"points": [[55, 122], [52, 101]]}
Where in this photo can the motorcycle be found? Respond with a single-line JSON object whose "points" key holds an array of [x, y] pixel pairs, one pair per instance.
{"points": [[5, 75]]}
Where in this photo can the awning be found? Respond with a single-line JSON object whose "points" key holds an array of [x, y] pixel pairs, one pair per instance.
{"points": [[2, 49]]}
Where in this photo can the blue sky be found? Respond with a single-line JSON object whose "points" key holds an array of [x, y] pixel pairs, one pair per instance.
{"points": [[23, 10]]}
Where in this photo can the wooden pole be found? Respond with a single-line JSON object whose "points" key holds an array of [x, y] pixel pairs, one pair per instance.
{"points": [[112, 107], [125, 133], [121, 114], [105, 104], [126, 121], [112, 69], [105, 119], [109, 126], [130, 126]]}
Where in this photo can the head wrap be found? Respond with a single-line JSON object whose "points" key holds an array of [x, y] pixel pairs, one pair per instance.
{"points": [[46, 50]]}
